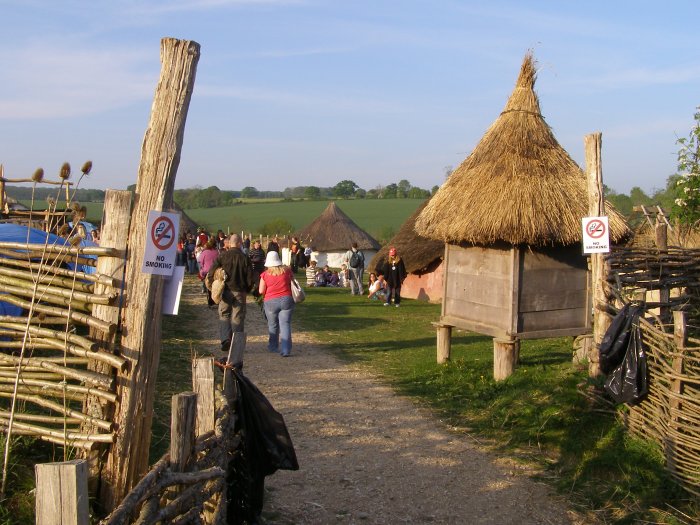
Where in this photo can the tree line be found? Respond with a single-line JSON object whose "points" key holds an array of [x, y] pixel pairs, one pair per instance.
{"points": [[212, 196], [41, 193]]}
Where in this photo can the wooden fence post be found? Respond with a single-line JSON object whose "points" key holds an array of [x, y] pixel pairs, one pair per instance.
{"points": [[62, 493], [182, 425], [599, 271], [115, 218], [203, 385], [160, 155], [680, 339]]}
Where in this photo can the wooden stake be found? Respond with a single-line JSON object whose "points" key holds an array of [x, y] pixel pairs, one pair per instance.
{"points": [[182, 429], [62, 493], [203, 385], [160, 155]]}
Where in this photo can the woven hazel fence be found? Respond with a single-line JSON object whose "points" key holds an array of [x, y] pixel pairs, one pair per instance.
{"points": [[668, 282], [670, 414], [44, 363]]}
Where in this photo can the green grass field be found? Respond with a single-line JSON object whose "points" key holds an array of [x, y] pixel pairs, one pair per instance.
{"points": [[381, 218]]}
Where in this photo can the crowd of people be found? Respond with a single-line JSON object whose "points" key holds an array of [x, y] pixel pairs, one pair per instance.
{"points": [[250, 269]]}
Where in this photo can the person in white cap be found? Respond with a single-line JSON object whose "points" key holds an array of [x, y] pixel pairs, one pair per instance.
{"points": [[276, 290]]}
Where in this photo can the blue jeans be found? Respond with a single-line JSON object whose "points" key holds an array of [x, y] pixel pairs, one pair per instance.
{"points": [[397, 294], [279, 324]]}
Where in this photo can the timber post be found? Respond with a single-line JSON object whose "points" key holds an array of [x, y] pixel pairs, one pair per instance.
{"points": [[506, 351], [204, 385], [680, 339], [115, 217], [599, 268], [127, 460], [182, 429], [444, 342], [62, 493], [661, 234]]}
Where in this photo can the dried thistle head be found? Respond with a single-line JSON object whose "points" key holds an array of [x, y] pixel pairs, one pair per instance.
{"points": [[87, 167], [38, 175], [65, 171], [51, 202], [75, 240], [64, 230]]}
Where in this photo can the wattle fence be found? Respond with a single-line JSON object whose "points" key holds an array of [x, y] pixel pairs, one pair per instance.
{"points": [[667, 282]]}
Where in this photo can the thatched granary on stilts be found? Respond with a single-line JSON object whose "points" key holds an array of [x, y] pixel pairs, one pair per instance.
{"points": [[331, 234], [422, 258], [510, 216]]}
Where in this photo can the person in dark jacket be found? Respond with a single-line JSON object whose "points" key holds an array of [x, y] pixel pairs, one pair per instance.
{"points": [[239, 282], [257, 260], [394, 272], [274, 245]]}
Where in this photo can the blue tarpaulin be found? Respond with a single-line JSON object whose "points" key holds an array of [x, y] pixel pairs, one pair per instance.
{"points": [[23, 234]]}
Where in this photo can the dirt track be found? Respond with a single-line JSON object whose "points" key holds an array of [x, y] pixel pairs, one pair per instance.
{"points": [[369, 456]]}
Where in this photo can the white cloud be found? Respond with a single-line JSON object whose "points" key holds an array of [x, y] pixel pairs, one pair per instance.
{"points": [[50, 80]]}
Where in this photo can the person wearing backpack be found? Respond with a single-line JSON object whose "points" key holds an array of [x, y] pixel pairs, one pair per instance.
{"points": [[355, 260]]}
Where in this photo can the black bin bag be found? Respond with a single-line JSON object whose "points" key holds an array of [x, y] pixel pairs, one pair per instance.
{"points": [[265, 448], [624, 360]]}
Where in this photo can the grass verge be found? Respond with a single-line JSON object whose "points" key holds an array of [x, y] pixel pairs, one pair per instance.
{"points": [[538, 416]]}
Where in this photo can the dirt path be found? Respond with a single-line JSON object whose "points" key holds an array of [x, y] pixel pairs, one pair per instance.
{"points": [[367, 455]]}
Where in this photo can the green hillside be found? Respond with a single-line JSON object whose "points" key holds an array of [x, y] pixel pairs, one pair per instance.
{"points": [[381, 218]]}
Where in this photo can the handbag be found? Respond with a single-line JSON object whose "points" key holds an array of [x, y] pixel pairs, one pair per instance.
{"points": [[297, 292]]}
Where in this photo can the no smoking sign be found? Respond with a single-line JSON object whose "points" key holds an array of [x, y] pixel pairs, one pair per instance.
{"points": [[161, 249], [596, 237]]}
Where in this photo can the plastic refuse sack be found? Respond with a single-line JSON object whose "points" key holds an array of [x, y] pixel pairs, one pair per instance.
{"points": [[616, 339], [627, 381], [265, 448]]}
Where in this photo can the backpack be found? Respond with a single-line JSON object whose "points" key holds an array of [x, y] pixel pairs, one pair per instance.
{"points": [[355, 259]]}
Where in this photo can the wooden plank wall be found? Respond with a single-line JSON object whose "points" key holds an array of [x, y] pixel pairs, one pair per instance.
{"points": [[478, 286], [554, 291]]}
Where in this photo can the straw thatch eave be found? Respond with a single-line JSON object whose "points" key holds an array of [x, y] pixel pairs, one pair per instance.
{"points": [[518, 186], [333, 230], [419, 254]]}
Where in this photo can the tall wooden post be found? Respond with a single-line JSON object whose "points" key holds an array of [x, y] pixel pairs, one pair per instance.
{"points": [[680, 338], [599, 272], [140, 345], [661, 234], [115, 218]]}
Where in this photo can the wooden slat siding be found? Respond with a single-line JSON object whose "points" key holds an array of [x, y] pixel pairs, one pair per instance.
{"points": [[554, 320], [553, 300], [473, 326], [488, 291], [497, 319], [479, 289]]}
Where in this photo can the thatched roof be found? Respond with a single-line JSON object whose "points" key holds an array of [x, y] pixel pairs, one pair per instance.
{"points": [[518, 185], [418, 253], [333, 231]]}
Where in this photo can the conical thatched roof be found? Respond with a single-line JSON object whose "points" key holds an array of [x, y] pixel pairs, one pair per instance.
{"points": [[418, 253], [333, 231], [518, 185]]}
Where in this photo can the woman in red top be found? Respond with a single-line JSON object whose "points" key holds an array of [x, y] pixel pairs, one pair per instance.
{"points": [[276, 290]]}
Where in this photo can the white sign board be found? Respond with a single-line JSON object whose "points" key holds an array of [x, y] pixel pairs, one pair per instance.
{"points": [[161, 243], [596, 236], [172, 289]]}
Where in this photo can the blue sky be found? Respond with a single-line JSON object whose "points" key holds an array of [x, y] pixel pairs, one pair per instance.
{"points": [[311, 92]]}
